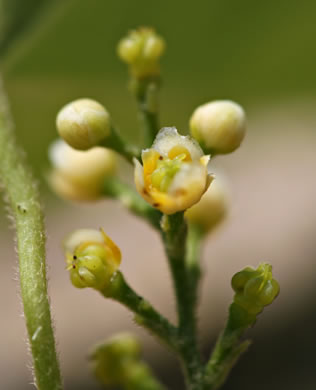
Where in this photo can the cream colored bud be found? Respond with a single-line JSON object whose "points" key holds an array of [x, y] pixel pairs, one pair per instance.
{"points": [[219, 126], [211, 209], [78, 175], [83, 123]]}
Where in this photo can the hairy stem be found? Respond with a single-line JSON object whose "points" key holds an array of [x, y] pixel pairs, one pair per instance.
{"points": [[174, 235], [23, 200], [227, 351], [146, 315]]}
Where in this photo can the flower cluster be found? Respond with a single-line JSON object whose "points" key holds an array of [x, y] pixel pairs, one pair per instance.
{"points": [[179, 197]]}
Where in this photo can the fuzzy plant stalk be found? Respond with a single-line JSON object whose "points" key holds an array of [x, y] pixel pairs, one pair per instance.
{"points": [[22, 198], [179, 198]]}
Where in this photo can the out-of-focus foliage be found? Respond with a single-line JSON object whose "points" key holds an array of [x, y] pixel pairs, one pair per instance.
{"points": [[15, 17], [250, 52]]}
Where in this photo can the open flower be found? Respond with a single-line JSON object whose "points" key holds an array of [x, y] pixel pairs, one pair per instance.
{"points": [[174, 174], [92, 258]]}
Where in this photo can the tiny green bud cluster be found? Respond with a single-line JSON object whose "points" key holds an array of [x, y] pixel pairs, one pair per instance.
{"points": [[83, 123], [219, 126], [141, 49], [255, 288]]}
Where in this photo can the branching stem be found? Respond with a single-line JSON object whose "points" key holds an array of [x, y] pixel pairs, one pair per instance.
{"points": [[146, 315]]}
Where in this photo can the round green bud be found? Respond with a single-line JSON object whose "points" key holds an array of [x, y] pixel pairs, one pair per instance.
{"points": [[141, 49], [269, 292], [219, 126], [113, 359], [240, 279], [83, 123]]}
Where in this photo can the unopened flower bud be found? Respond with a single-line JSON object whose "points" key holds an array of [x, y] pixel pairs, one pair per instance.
{"points": [[255, 288], [117, 362], [211, 209], [219, 126], [174, 173], [112, 359], [92, 258], [79, 175], [83, 123], [141, 49]]}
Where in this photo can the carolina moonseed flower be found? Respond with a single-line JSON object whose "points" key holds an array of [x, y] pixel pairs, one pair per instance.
{"points": [[174, 174], [92, 258]]}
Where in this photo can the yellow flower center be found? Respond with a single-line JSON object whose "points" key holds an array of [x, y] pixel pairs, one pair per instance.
{"points": [[162, 176], [159, 171]]}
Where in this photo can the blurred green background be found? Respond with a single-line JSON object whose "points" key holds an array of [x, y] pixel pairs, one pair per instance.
{"points": [[251, 52], [260, 54]]}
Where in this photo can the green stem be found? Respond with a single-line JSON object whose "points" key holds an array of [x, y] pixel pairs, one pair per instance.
{"points": [[146, 94], [115, 188], [23, 199], [149, 123], [117, 143], [146, 315], [193, 251], [174, 235], [227, 351]]}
